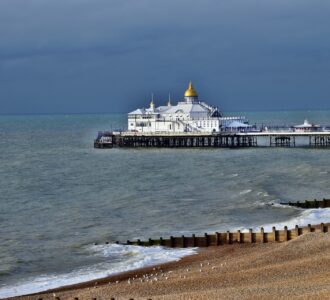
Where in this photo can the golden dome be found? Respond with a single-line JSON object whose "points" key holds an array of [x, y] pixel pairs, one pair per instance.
{"points": [[190, 92]]}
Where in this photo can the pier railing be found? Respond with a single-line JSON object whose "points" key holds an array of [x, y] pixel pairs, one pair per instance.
{"points": [[212, 140]]}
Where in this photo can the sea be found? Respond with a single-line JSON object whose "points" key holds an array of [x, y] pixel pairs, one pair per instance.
{"points": [[61, 200]]}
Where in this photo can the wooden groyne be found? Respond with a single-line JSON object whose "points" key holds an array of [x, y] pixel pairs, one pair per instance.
{"points": [[309, 203], [218, 239], [212, 140]]}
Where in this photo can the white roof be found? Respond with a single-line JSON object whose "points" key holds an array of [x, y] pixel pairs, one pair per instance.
{"points": [[138, 111], [186, 108], [193, 109], [306, 125], [237, 124]]}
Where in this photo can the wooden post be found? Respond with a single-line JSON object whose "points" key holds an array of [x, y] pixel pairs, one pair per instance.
{"points": [[206, 240], [182, 241], [172, 242], [309, 228], [139, 242], [285, 233], [262, 232], [239, 236], [228, 238], [274, 234], [194, 240], [322, 227], [150, 242], [217, 238], [161, 241], [250, 236], [128, 242], [297, 230]]}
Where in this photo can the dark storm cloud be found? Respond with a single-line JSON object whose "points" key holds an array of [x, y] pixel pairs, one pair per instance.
{"points": [[100, 55]]}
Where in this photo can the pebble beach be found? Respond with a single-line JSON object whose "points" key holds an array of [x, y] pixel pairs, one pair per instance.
{"points": [[298, 269]]}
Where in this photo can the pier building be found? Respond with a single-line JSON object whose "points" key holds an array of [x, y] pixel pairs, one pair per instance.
{"points": [[194, 123], [188, 115], [307, 127]]}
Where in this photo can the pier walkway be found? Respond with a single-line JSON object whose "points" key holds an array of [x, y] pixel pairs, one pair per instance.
{"points": [[215, 140]]}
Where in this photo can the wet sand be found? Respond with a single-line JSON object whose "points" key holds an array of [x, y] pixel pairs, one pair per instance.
{"points": [[298, 269]]}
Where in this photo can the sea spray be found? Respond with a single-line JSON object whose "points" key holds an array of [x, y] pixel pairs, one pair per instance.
{"points": [[121, 258]]}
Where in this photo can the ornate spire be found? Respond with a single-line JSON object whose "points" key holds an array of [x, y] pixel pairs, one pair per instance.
{"points": [[169, 100], [190, 92], [152, 104]]}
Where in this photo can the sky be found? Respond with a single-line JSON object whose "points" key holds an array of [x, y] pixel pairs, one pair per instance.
{"points": [[91, 56]]}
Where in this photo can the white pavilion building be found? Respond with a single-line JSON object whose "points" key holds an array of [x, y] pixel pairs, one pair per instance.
{"points": [[189, 115]]}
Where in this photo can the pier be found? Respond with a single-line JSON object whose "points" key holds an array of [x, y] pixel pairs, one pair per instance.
{"points": [[127, 139]]}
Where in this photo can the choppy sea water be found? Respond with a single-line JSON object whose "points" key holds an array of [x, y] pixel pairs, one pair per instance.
{"points": [[59, 195]]}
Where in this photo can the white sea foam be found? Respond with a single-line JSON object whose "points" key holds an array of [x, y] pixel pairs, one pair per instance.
{"points": [[232, 175], [309, 216], [245, 192], [131, 257]]}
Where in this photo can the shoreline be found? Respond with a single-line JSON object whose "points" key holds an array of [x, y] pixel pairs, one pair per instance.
{"points": [[298, 268]]}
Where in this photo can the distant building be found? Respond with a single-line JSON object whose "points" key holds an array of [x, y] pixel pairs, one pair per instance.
{"points": [[306, 127], [189, 115]]}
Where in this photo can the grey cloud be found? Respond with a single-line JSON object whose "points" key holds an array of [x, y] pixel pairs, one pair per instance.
{"points": [[242, 54]]}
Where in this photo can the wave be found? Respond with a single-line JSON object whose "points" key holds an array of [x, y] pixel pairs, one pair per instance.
{"points": [[128, 258], [245, 192], [310, 216]]}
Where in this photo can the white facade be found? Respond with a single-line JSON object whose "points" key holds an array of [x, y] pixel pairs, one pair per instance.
{"points": [[189, 115]]}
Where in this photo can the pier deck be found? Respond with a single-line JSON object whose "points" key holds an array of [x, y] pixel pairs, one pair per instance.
{"points": [[214, 140]]}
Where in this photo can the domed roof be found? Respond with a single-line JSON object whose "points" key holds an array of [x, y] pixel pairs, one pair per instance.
{"points": [[190, 92]]}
